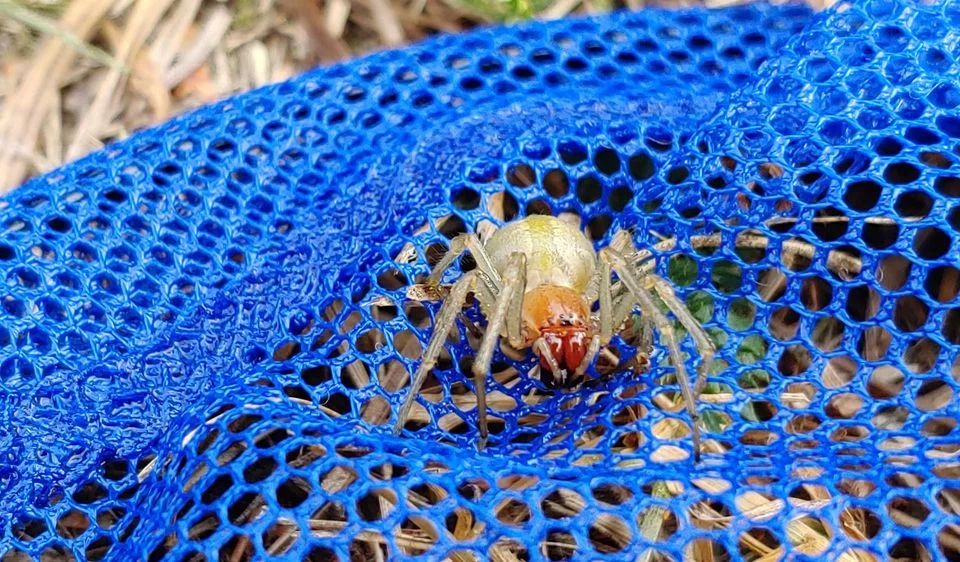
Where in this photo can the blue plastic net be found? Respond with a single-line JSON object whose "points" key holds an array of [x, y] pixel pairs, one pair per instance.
{"points": [[204, 333]]}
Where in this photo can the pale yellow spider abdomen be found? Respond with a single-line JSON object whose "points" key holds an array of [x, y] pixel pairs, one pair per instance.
{"points": [[557, 253]]}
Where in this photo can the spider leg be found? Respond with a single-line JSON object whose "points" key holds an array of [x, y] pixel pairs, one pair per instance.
{"points": [[648, 307], [623, 301], [470, 324], [645, 329], [441, 328], [515, 314], [512, 278], [606, 322], [484, 293], [606, 302], [704, 346], [459, 244], [639, 261], [622, 305]]}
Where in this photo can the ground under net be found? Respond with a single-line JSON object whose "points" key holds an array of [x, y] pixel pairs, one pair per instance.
{"points": [[205, 334]]}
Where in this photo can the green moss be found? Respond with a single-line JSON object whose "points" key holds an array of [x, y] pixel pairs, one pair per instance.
{"points": [[726, 276], [700, 305], [752, 349], [37, 21], [682, 270], [741, 314]]}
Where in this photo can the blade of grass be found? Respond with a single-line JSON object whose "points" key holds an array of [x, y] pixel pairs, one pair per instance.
{"points": [[654, 518], [42, 24]]}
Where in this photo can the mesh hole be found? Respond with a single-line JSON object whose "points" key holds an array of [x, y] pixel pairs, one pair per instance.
{"points": [[815, 293], [513, 511], [321, 554], [948, 540], [556, 184], [589, 189], [913, 205], [238, 547], [259, 470], [559, 545], [943, 283], [807, 534], [562, 503], [859, 523], [931, 243], [933, 395], [415, 535], [29, 529], [706, 549], [329, 519], [293, 492], [838, 372], [910, 313], [710, 514], [609, 534], [901, 173], [907, 512], [508, 549], [503, 206], [893, 272], [465, 198], [521, 175], [280, 537], [938, 427], [885, 382], [908, 549]]}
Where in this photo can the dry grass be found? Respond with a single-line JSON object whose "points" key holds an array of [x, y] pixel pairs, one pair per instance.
{"points": [[75, 74]]}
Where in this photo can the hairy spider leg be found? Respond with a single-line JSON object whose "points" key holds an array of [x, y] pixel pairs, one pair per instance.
{"points": [[705, 347], [647, 306], [606, 302], [445, 319], [643, 267], [515, 315], [606, 326], [512, 278], [459, 244]]}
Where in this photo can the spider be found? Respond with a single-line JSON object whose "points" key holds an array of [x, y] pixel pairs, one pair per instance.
{"points": [[537, 280]]}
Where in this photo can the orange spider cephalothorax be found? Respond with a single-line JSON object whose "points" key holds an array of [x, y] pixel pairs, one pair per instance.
{"points": [[561, 317]]}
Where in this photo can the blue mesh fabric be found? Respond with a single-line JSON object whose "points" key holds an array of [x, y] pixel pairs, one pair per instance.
{"points": [[204, 335]]}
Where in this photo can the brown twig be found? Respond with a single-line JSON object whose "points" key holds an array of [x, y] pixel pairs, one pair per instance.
{"points": [[211, 35], [386, 22]]}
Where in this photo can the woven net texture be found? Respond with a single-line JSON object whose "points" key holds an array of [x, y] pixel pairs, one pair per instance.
{"points": [[205, 332]]}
